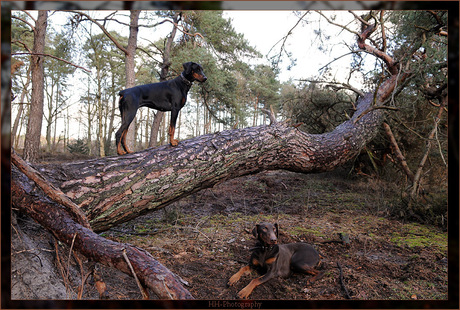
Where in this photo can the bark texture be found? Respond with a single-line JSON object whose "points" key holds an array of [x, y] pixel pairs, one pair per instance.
{"points": [[113, 190], [34, 126]]}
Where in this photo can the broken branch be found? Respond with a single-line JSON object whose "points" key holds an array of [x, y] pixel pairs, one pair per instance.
{"points": [[48, 55], [342, 284], [53, 192], [397, 151]]}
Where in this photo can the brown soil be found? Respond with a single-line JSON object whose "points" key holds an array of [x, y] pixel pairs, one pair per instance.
{"points": [[205, 238]]}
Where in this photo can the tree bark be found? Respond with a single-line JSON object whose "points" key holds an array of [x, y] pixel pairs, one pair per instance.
{"points": [[130, 68], [113, 190], [34, 126]]}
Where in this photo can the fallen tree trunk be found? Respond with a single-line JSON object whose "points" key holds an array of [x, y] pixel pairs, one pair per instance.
{"points": [[113, 190], [31, 200]]}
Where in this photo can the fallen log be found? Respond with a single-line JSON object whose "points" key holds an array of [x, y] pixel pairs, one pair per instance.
{"points": [[113, 190]]}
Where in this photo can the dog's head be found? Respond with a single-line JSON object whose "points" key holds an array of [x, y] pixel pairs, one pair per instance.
{"points": [[194, 72], [266, 233]]}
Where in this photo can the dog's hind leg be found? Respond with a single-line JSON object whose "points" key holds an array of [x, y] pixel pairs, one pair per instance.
{"points": [[128, 112], [118, 136]]}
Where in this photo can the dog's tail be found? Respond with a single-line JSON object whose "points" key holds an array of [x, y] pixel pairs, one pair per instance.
{"points": [[121, 101]]}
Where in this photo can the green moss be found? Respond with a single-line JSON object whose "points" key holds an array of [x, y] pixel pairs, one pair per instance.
{"points": [[417, 235], [296, 231]]}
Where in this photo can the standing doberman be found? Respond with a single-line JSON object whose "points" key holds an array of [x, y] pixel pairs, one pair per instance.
{"points": [[163, 96], [274, 260]]}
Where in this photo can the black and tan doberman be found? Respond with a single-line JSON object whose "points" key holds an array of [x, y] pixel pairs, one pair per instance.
{"points": [[273, 260], [163, 96]]}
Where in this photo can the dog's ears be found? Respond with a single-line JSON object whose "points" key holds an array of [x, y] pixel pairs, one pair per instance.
{"points": [[187, 67], [277, 230], [255, 231]]}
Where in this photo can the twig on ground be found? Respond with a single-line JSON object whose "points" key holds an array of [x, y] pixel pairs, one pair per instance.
{"points": [[342, 284], [142, 289]]}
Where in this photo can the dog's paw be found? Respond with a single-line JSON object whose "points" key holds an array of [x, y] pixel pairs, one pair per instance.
{"points": [[233, 279], [174, 142], [244, 293]]}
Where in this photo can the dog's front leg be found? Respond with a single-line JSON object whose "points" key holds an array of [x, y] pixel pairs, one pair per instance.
{"points": [[237, 276], [172, 128], [172, 141], [245, 292]]}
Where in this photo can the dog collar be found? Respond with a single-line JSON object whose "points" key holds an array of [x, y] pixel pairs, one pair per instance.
{"points": [[185, 80], [263, 247]]}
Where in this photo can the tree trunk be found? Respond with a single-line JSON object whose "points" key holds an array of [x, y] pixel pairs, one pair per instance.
{"points": [[19, 116], [100, 110], [34, 126], [113, 190], [159, 115], [157, 118], [112, 115], [130, 69]]}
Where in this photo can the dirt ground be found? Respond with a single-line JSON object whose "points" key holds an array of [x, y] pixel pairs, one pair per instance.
{"points": [[205, 238]]}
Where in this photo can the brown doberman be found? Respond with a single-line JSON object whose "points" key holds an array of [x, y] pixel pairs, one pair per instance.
{"points": [[273, 260]]}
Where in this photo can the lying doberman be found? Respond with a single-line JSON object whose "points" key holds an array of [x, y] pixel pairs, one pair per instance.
{"points": [[274, 260], [163, 96]]}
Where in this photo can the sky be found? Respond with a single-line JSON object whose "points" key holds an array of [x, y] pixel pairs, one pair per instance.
{"points": [[264, 29]]}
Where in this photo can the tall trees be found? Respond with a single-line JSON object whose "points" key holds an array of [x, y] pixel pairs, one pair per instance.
{"points": [[56, 85], [34, 126], [211, 40], [21, 38], [421, 124], [164, 69]]}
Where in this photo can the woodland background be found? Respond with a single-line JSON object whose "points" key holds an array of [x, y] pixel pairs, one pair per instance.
{"points": [[235, 96]]}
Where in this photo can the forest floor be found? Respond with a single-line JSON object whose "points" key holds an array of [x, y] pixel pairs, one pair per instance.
{"points": [[205, 238]]}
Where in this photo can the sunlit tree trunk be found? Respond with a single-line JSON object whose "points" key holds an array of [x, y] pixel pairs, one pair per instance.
{"points": [[34, 126]]}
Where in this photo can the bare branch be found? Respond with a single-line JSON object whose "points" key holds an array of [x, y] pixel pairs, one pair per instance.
{"points": [[24, 21], [326, 65], [384, 37], [373, 108], [345, 86], [285, 38], [48, 55], [418, 173], [336, 24], [106, 32], [23, 44]]}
